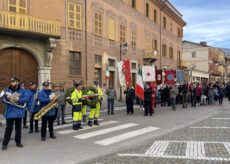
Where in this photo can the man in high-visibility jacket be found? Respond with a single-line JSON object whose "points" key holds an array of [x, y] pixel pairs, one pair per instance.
{"points": [[76, 98], [94, 114], [84, 104]]}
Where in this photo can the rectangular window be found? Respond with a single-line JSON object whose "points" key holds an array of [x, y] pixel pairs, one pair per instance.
{"points": [[122, 33], [155, 15], [98, 60], [111, 62], [193, 54], [164, 23], [111, 29], [18, 6], [98, 24], [74, 63], [155, 45], [164, 50], [134, 4], [134, 65], [74, 16], [147, 9], [134, 38], [170, 53], [171, 27], [178, 32]]}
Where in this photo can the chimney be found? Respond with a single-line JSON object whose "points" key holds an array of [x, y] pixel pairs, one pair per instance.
{"points": [[203, 43]]}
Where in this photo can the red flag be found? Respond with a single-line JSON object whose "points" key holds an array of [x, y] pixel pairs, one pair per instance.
{"points": [[127, 72], [170, 77]]}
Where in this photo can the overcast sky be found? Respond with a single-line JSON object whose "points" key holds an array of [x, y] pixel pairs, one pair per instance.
{"points": [[207, 20]]}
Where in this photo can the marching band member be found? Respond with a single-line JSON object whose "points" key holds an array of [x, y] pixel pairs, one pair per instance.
{"points": [[33, 106], [14, 113], [76, 98], [45, 96], [22, 86]]}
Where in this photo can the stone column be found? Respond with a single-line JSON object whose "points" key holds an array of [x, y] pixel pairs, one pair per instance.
{"points": [[43, 75]]}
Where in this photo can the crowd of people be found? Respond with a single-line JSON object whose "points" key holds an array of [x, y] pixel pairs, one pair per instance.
{"points": [[194, 93]]}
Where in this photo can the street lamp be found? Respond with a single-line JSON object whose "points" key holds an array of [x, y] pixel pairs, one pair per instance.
{"points": [[123, 50]]}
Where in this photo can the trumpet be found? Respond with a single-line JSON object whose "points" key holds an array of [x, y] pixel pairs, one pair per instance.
{"points": [[11, 99]]}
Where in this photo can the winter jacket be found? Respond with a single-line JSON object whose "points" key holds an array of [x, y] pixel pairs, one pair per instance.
{"points": [[32, 105], [11, 110]]}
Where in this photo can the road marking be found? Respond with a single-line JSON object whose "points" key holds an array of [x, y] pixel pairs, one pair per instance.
{"points": [[105, 131], [195, 150], [125, 136], [227, 146], [69, 124], [157, 148], [69, 131], [221, 118], [209, 127]]}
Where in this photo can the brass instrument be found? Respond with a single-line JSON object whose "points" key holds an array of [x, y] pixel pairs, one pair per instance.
{"points": [[11, 99], [52, 104]]}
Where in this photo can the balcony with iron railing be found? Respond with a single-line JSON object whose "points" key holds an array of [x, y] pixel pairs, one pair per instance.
{"points": [[10, 21]]}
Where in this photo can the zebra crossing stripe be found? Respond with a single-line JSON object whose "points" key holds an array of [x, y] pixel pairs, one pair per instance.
{"points": [[69, 131], [221, 118], [227, 146], [104, 131], [69, 124], [126, 136]]}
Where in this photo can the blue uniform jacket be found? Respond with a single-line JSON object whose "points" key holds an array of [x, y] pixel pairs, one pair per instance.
{"points": [[43, 98], [31, 105], [11, 110]]}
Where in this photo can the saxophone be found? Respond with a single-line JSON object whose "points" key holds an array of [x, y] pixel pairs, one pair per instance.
{"points": [[52, 104]]}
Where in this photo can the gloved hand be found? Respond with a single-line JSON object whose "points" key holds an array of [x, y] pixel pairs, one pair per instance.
{"points": [[80, 100]]}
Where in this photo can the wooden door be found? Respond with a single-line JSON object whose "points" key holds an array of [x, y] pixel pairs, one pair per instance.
{"points": [[19, 63], [111, 78]]}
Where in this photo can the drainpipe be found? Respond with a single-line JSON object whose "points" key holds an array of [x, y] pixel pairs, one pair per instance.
{"points": [[86, 46]]}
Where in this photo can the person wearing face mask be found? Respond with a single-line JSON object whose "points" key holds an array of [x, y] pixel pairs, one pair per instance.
{"points": [[14, 100]]}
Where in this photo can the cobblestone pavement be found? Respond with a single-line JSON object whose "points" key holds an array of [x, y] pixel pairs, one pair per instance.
{"points": [[205, 142]]}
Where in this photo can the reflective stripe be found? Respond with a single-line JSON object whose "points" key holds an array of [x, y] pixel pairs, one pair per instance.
{"points": [[78, 96]]}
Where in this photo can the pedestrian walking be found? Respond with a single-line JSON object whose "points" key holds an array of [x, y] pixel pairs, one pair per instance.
{"points": [[111, 96], [193, 95], [211, 95], [184, 94], [198, 93], [221, 94]]}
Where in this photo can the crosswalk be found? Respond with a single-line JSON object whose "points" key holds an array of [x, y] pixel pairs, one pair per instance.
{"points": [[117, 132]]}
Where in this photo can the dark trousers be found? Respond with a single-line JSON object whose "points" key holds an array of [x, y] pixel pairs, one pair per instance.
{"points": [[173, 103], [129, 106], [110, 105], [193, 101], [25, 119], [221, 99], [9, 128], [50, 121], [198, 99], [148, 107], [184, 100], [32, 121]]}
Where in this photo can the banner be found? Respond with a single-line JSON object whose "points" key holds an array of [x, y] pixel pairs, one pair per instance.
{"points": [[159, 77], [170, 77], [180, 76], [127, 72], [121, 74], [148, 73]]}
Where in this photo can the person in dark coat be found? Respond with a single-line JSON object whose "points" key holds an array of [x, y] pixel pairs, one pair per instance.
{"points": [[130, 97], [221, 94], [45, 96], [32, 106], [193, 95], [184, 94], [227, 91], [14, 113], [148, 100]]}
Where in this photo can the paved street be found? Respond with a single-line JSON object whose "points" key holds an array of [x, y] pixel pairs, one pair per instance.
{"points": [[182, 136]]}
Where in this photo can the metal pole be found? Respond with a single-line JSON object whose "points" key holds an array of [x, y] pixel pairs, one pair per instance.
{"points": [[120, 99]]}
